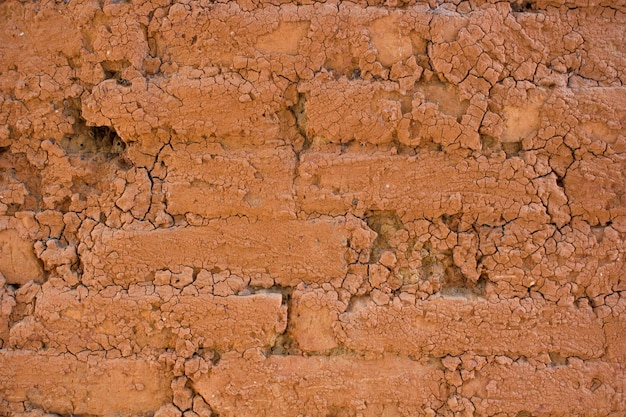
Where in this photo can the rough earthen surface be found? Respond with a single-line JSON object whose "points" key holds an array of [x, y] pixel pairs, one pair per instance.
{"points": [[312, 208]]}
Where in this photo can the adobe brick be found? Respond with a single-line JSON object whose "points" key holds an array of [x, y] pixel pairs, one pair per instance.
{"points": [[289, 251], [451, 326], [248, 182], [146, 317], [64, 385], [255, 385]]}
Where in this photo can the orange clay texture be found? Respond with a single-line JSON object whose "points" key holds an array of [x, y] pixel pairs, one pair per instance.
{"points": [[357, 208]]}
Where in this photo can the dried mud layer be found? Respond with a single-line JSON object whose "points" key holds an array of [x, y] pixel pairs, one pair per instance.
{"points": [[334, 209]]}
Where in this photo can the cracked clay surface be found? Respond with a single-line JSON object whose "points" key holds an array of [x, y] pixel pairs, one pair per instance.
{"points": [[333, 208]]}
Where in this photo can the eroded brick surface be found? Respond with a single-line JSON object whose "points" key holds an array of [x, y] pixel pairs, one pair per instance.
{"points": [[453, 326], [276, 385], [321, 208], [575, 387], [66, 384], [255, 182], [285, 252], [156, 317]]}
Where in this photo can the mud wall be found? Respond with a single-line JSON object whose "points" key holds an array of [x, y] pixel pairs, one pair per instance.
{"points": [[367, 208]]}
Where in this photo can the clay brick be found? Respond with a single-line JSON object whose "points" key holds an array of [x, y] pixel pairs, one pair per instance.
{"points": [[149, 317], [275, 386], [234, 35], [616, 346], [615, 329], [64, 385], [311, 318], [591, 388], [297, 41], [287, 251], [185, 106], [592, 258], [18, 263], [597, 34], [451, 326], [460, 42], [601, 113], [617, 5], [594, 122], [594, 185], [341, 111], [225, 32], [7, 303], [249, 182], [427, 185]]}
